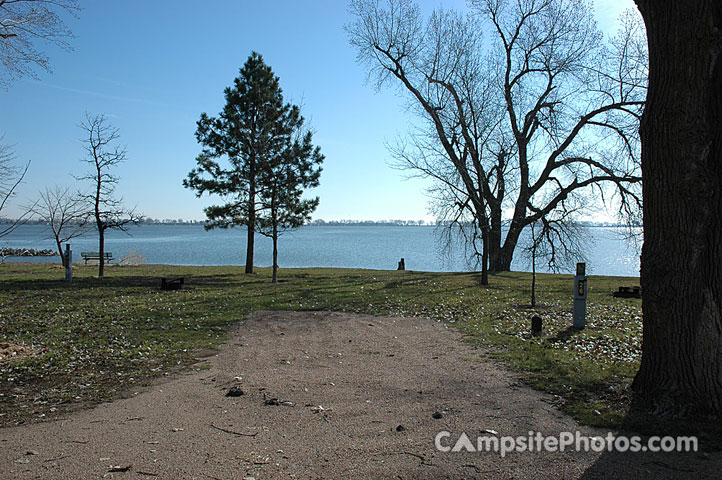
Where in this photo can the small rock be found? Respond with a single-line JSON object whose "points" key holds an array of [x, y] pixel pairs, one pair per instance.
{"points": [[119, 468], [234, 392], [271, 401], [437, 415], [400, 428]]}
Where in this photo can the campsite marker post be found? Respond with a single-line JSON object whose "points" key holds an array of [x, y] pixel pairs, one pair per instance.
{"points": [[68, 264], [580, 296]]}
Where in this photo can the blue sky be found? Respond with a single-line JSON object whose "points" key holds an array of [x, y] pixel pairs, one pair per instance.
{"points": [[153, 66]]}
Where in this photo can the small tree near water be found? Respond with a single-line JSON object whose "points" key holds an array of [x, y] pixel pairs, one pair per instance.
{"points": [[558, 241], [102, 154], [65, 214], [282, 185]]}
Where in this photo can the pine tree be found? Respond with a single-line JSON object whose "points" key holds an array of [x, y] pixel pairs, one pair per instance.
{"points": [[252, 129], [282, 185]]}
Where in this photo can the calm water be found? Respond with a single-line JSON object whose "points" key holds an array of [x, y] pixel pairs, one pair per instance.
{"points": [[374, 247]]}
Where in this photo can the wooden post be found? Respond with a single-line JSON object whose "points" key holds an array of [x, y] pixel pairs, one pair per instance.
{"points": [[536, 325], [580, 297], [68, 264]]}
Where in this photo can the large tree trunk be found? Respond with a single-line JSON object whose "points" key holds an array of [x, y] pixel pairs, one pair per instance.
{"points": [[681, 272], [495, 234], [485, 262], [485, 256], [533, 273], [501, 262]]}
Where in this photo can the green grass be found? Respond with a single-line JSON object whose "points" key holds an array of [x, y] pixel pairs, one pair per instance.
{"points": [[97, 338]]}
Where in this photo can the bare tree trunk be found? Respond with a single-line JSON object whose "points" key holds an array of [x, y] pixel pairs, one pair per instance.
{"points": [[485, 261], [98, 219], [60, 252], [101, 251], [533, 274], [501, 262], [681, 268], [275, 253], [485, 255], [251, 218], [495, 234]]}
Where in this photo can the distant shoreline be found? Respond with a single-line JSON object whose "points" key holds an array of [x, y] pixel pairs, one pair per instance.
{"points": [[27, 252], [321, 223]]}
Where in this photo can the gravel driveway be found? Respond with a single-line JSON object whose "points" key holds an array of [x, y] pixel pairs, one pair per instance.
{"points": [[325, 395]]}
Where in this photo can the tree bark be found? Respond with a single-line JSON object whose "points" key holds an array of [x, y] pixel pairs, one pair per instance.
{"points": [[681, 266], [495, 234], [251, 217], [275, 253], [533, 273], [101, 252], [61, 252], [501, 260], [485, 257]]}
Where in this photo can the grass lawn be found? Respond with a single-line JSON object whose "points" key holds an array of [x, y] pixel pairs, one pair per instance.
{"points": [[63, 346]]}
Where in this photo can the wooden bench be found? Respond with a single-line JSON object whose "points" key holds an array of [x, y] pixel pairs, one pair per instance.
{"points": [[96, 256]]}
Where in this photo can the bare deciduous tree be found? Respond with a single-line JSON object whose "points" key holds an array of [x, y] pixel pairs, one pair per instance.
{"points": [[65, 213], [11, 176], [539, 122], [102, 154], [23, 25], [556, 241]]}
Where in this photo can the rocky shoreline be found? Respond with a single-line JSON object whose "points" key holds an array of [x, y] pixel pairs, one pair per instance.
{"points": [[27, 252]]}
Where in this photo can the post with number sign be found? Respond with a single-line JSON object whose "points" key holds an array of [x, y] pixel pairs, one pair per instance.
{"points": [[580, 296]]}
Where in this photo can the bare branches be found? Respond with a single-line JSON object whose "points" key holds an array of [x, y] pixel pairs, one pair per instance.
{"points": [[102, 154], [65, 213], [23, 25], [11, 176], [546, 114]]}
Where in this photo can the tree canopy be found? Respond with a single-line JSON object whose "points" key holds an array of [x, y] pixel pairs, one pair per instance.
{"points": [[266, 163], [536, 121], [24, 24]]}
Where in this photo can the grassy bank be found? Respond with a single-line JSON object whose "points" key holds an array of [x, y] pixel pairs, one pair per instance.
{"points": [[87, 342]]}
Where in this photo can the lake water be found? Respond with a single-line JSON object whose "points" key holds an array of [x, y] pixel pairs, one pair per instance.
{"points": [[357, 246]]}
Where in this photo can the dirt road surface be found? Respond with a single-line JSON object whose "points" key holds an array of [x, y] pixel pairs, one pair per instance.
{"points": [[326, 395]]}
